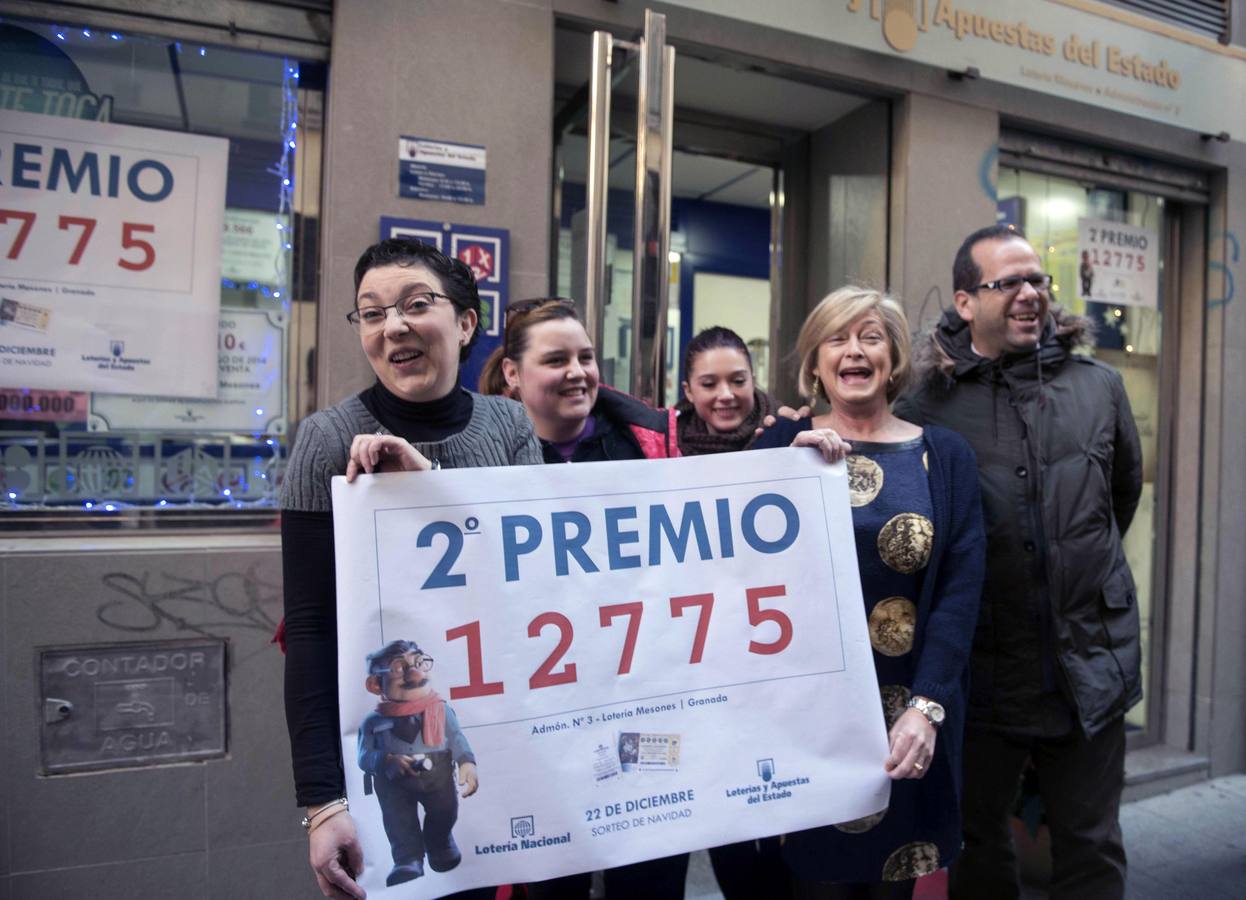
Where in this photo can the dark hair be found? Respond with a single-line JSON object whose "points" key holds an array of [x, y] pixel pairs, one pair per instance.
{"points": [[525, 315], [967, 274], [378, 660], [714, 338], [457, 279]]}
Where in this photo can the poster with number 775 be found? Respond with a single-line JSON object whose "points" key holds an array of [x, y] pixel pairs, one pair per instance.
{"points": [[110, 244]]}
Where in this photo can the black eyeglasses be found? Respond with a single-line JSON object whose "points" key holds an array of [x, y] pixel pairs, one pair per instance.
{"points": [[1012, 284], [372, 318], [399, 665]]}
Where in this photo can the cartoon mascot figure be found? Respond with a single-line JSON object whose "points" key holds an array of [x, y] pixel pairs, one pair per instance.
{"points": [[408, 749]]}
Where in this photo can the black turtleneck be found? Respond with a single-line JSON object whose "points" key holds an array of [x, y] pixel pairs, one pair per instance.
{"points": [[434, 420], [307, 561]]}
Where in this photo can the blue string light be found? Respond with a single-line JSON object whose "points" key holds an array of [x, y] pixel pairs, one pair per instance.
{"points": [[283, 170]]}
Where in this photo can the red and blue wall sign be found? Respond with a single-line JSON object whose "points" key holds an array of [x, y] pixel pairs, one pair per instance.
{"points": [[487, 251]]}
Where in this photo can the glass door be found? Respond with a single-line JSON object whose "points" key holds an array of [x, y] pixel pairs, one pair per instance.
{"points": [[619, 276], [703, 218]]}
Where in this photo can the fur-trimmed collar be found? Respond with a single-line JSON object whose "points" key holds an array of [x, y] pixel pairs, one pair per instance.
{"points": [[944, 348]]}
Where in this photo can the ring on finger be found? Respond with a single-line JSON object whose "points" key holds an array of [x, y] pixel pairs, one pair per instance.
{"points": [[919, 767]]}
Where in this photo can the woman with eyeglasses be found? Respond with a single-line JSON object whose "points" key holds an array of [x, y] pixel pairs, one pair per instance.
{"points": [[547, 361], [917, 517], [417, 314]]}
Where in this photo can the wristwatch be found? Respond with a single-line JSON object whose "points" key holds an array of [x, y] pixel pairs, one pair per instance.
{"points": [[932, 711]]}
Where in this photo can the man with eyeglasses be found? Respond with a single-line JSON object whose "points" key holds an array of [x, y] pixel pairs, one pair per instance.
{"points": [[1055, 659], [408, 749]]}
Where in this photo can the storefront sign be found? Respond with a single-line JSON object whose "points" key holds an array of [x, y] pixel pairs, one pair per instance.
{"points": [[487, 251], [110, 242], [111, 705], [1068, 48], [441, 170], [1117, 264], [251, 244], [252, 392], [626, 673]]}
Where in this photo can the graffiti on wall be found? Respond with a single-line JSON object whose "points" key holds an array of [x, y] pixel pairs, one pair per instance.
{"points": [[1232, 252], [215, 607]]}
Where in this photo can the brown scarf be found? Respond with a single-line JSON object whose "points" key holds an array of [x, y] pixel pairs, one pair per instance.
{"points": [[695, 437], [432, 708]]}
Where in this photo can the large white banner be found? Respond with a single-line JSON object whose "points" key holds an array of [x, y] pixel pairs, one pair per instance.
{"points": [[633, 659], [110, 244]]}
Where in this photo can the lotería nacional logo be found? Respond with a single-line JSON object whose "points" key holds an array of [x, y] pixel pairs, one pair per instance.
{"points": [[900, 25], [899, 20], [523, 837], [523, 826]]}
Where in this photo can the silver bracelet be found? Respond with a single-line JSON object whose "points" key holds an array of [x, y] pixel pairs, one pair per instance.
{"points": [[340, 801]]}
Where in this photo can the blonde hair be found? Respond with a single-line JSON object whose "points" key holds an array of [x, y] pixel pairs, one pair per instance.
{"points": [[836, 312]]}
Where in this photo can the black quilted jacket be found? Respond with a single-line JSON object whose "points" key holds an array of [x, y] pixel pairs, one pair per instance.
{"points": [[1061, 472]]}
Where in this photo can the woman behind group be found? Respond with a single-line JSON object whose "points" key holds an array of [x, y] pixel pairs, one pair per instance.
{"points": [[920, 546], [722, 409], [416, 416], [547, 362]]}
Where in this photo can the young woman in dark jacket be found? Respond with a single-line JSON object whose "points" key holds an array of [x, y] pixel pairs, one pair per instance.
{"points": [[917, 515], [722, 408], [547, 362]]}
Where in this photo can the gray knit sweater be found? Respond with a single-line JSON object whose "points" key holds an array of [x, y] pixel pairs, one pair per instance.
{"points": [[499, 433]]}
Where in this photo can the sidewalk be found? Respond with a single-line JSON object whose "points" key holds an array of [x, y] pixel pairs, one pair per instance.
{"points": [[1190, 843]]}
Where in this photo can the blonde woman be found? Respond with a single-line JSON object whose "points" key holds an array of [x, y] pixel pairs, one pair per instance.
{"points": [[920, 546]]}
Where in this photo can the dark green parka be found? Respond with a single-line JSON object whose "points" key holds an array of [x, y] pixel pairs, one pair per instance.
{"points": [[1061, 472]]}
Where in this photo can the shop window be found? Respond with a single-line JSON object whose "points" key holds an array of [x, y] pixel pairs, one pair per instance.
{"points": [[1109, 245], [77, 452]]}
